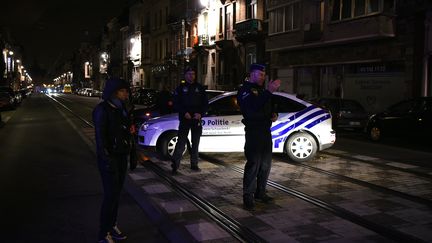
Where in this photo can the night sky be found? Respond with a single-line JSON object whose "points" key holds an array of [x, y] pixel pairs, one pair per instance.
{"points": [[50, 30]]}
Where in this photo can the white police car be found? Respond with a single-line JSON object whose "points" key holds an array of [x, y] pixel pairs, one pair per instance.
{"points": [[301, 130]]}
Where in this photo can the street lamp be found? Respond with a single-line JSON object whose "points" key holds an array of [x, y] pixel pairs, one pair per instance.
{"points": [[205, 3]]}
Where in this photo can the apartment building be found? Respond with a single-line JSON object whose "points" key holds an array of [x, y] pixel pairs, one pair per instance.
{"points": [[368, 50]]}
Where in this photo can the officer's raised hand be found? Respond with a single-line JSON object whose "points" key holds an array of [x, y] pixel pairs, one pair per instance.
{"points": [[273, 85]]}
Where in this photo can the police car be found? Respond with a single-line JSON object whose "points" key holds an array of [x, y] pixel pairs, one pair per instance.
{"points": [[301, 130]]}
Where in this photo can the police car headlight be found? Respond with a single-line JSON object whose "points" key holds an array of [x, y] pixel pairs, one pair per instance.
{"points": [[144, 127]]}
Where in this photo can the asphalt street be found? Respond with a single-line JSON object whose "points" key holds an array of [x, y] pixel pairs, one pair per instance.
{"points": [[50, 186]]}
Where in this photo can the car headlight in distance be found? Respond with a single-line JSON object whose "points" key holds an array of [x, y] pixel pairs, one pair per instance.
{"points": [[144, 126]]}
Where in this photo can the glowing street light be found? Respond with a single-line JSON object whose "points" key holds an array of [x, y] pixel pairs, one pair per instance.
{"points": [[205, 3]]}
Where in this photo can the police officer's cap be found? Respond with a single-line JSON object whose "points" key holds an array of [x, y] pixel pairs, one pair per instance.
{"points": [[256, 66]]}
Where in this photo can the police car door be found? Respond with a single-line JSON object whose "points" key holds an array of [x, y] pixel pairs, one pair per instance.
{"points": [[223, 130], [288, 121]]}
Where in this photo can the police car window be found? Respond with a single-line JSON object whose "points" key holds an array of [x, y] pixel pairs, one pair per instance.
{"points": [[225, 106], [283, 104]]}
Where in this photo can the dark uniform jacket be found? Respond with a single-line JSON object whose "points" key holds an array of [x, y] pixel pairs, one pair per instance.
{"points": [[255, 105], [190, 98]]}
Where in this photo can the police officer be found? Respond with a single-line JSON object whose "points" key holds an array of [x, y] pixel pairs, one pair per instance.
{"points": [[114, 145], [190, 101], [256, 106]]}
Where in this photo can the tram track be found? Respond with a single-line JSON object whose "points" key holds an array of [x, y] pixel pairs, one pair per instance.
{"points": [[234, 228], [388, 232], [380, 164], [366, 184], [244, 234]]}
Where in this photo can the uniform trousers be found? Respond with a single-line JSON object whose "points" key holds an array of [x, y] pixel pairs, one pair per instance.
{"points": [[258, 152], [196, 130]]}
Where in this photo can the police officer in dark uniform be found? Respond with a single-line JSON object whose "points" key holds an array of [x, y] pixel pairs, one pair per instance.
{"points": [[114, 146], [256, 106], [190, 101]]}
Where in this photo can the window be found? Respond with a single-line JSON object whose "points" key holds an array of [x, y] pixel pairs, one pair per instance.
{"points": [[284, 18], [224, 107], [146, 48], [160, 18], [228, 23], [347, 9], [167, 49], [402, 108], [251, 9], [221, 20], [160, 49], [360, 7], [166, 15], [285, 105], [204, 68]]}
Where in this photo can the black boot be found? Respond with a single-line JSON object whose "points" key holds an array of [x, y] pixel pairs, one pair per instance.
{"points": [[248, 202], [264, 198]]}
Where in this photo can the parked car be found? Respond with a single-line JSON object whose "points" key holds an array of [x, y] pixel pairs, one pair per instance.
{"points": [[144, 97], [94, 93], [18, 97], [7, 101], [12, 94], [410, 118], [346, 113], [301, 130]]}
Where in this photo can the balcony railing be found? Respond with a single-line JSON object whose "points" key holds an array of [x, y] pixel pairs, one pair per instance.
{"points": [[203, 40], [248, 28]]}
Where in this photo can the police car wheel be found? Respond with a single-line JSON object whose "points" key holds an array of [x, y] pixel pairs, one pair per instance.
{"points": [[167, 143], [301, 147], [375, 133]]}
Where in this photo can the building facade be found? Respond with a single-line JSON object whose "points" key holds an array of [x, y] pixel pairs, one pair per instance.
{"points": [[352, 49]]}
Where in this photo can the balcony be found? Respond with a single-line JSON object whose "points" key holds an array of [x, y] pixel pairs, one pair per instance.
{"points": [[225, 39], [248, 30], [203, 40]]}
